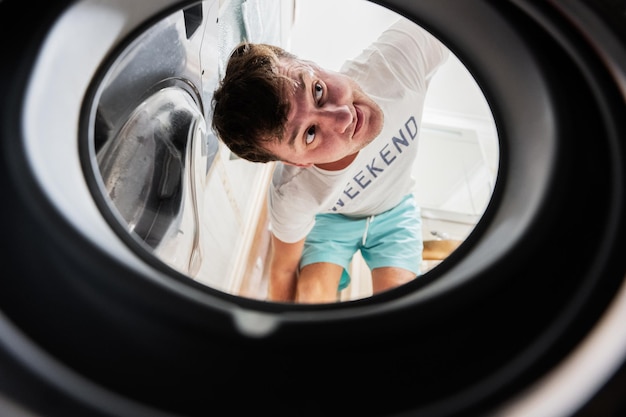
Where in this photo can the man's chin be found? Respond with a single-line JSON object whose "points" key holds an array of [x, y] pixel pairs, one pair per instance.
{"points": [[369, 139]]}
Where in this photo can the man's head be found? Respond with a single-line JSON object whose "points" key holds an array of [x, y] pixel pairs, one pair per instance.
{"points": [[248, 106], [271, 105]]}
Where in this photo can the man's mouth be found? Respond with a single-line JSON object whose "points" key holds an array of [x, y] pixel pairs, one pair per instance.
{"points": [[359, 121]]}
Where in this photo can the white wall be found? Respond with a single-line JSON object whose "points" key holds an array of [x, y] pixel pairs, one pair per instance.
{"points": [[329, 31]]}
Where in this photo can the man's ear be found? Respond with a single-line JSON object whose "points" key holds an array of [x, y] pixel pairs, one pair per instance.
{"points": [[297, 165]]}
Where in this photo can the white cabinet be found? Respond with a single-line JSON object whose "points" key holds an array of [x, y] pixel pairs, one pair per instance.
{"points": [[454, 181]]}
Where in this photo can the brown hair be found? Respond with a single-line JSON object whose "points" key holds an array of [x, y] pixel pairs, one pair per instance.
{"points": [[248, 105]]}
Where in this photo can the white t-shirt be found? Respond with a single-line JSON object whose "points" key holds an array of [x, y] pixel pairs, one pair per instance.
{"points": [[395, 72]]}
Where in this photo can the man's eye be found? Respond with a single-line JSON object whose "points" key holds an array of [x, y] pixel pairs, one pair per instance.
{"points": [[310, 135], [319, 90]]}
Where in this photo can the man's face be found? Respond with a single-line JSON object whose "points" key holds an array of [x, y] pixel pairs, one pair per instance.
{"points": [[330, 117]]}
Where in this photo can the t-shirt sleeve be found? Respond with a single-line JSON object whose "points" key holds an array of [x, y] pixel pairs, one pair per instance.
{"points": [[410, 53], [290, 221]]}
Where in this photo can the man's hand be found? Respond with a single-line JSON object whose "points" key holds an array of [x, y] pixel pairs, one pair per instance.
{"points": [[284, 265]]}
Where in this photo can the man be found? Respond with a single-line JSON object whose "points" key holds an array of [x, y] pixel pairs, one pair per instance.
{"points": [[346, 142]]}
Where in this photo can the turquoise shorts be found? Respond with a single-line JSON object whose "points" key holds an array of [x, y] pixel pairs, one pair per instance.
{"points": [[389, 239]]}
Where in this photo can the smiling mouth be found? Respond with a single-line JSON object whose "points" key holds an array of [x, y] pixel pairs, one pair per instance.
{"points": [[359, 121]]}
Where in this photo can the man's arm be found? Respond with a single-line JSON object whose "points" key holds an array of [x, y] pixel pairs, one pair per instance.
{"points": [[411, 54], [284, 264]]}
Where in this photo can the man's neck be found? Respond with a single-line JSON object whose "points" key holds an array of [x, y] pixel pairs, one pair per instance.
{"points": [[338, 165]]}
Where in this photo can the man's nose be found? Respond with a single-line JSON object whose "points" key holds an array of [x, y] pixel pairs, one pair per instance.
{"points": [[336, 118]]}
